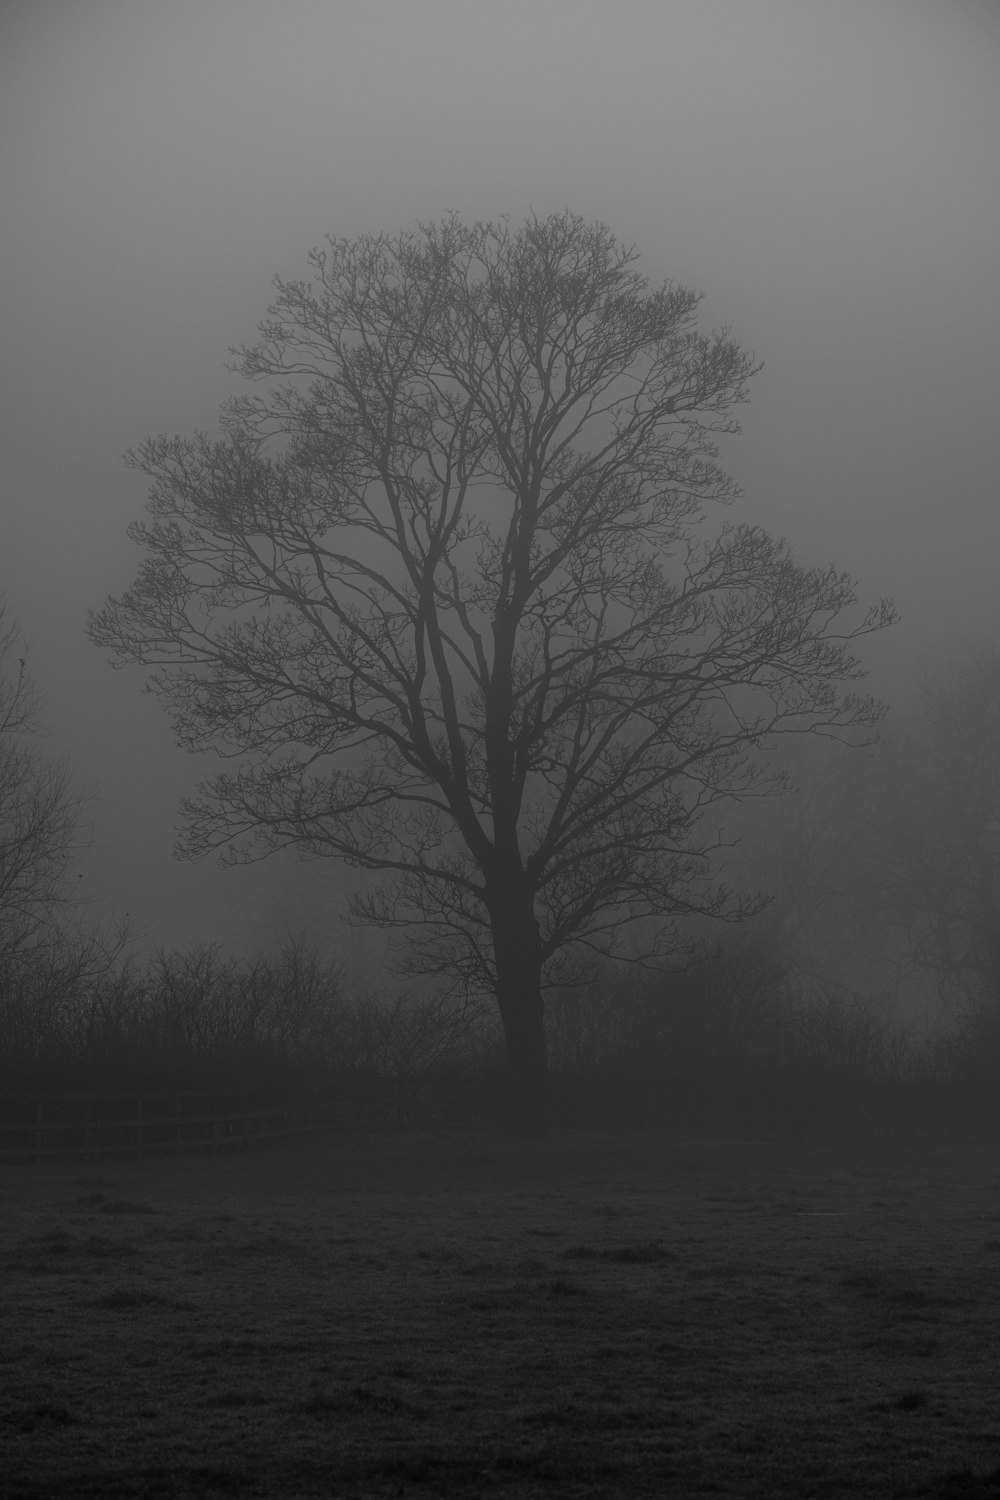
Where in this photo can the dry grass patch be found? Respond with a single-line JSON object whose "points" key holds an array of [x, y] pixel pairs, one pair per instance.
{"points": [[444, 1316]]}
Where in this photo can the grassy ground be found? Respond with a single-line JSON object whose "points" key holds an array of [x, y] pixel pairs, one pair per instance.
{"points": [[469, 1316]]}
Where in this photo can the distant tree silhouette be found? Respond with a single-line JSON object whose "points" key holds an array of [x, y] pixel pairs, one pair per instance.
{"points": [[39, 813], [50, 949], [939, 828], [449, 594]]}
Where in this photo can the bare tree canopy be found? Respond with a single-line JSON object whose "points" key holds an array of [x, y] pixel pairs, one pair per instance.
{"points": [[938, 830], [448, 595], [39, 815]]}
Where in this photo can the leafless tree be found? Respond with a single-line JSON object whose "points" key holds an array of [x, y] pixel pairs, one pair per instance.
{"points": [[449, 595], [40, 815], [818, 853], [940, 827]]}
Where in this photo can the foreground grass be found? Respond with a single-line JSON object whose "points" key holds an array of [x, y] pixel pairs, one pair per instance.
{"points": [[455, 1316]]}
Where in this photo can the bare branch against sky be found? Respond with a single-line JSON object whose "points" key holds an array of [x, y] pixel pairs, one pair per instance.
{"points": [[827, 174]]}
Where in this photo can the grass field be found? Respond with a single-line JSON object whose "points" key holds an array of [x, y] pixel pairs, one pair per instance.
{"points": [[594, 1315]]}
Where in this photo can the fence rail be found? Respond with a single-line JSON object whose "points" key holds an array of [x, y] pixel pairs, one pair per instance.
{"points": [[35, 1126]]}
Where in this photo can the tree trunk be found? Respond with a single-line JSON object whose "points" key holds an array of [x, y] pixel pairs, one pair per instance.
{"points": [[524, 1032], [517, 954]]}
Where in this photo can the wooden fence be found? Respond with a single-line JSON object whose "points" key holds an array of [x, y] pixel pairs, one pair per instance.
{"points": [[35, 1126]]}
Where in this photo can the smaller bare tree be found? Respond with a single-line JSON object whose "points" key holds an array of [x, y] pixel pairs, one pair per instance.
{"points": [[940, 828], [50, 947], [40, 812]]}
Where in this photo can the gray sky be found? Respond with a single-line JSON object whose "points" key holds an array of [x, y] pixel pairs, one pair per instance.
{"points": [[826, 171]]}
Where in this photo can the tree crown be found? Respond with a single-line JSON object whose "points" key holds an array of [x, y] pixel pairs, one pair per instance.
{"points": [[448, 591]]}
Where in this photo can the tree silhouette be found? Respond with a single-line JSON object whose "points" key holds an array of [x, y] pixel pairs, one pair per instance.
{"points": [[448, 594], [50, 949], [937, 831], [40, 817]]}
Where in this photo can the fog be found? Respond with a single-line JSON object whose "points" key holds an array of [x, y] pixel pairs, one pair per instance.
{"points": [[828, 175]]}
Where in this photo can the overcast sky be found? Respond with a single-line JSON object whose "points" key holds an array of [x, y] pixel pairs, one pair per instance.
{"points": [[827, 172]]}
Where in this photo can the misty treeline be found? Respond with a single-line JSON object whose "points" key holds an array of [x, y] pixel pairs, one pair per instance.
{"points": [[862, 997], [451, 603]]}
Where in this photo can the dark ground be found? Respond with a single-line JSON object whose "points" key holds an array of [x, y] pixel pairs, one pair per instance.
{"points": [[417, 1315]]}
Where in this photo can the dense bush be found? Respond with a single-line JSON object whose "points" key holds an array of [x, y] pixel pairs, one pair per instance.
{"points": [[197, 1019], [729, 1045], [733, 1045]]}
